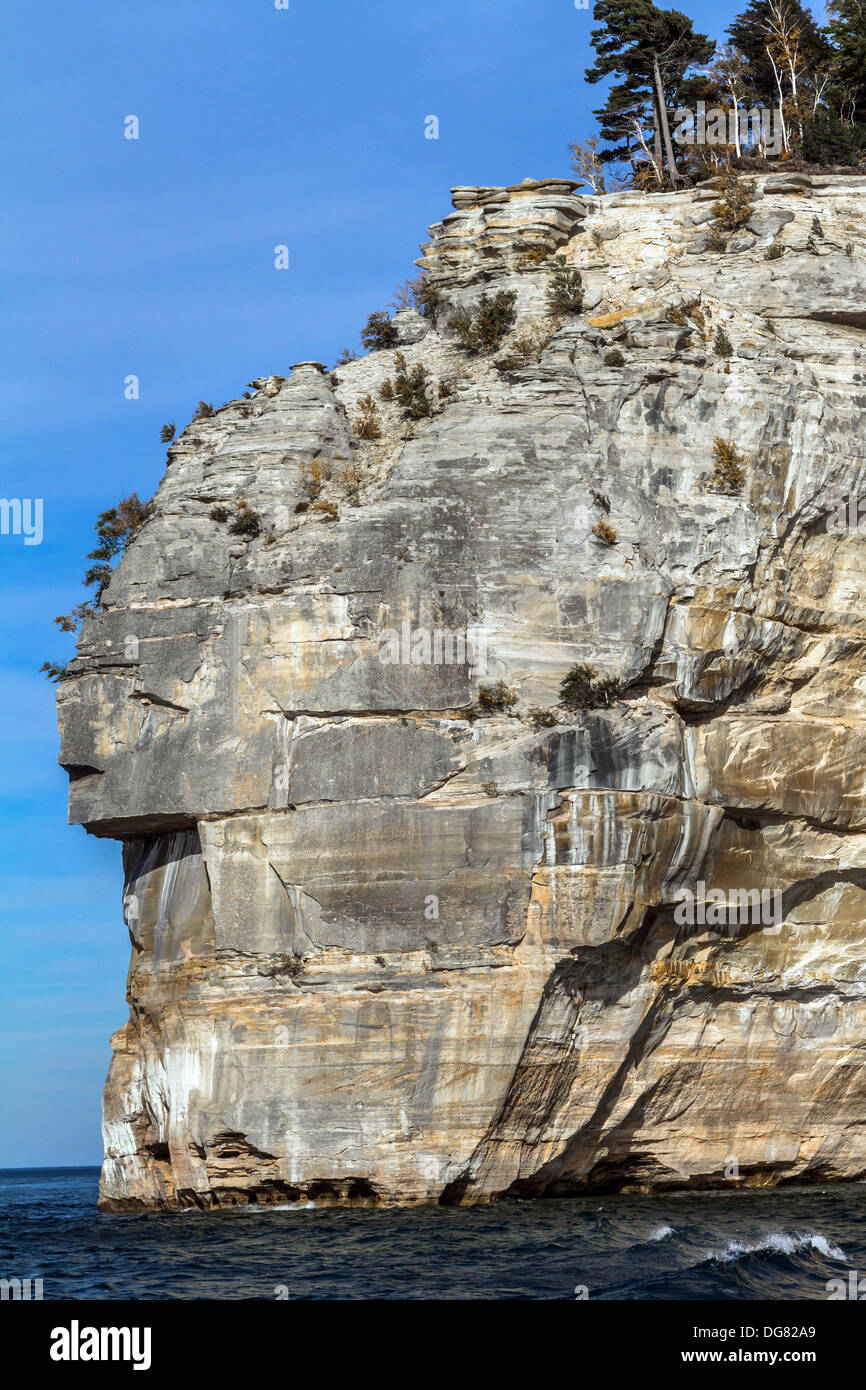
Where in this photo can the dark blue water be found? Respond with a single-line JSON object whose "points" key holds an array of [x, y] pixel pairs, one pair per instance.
{"points": [[722, 1245]]}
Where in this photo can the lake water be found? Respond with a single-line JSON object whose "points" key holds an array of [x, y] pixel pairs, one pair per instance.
{"points": [[782, 1244]]}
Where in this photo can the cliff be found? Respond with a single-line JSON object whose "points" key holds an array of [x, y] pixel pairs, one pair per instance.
{"points": [[387, 946]]}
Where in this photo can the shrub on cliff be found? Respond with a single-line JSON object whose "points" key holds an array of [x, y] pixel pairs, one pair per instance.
{"points": [[583, 689], [167, 432], [529, 345], [410, 389], [115, 528], [729, 472], [604, 532], [204, 410], [483, 330], [425, 296], [722, 345], [418, 294], [496, 699], [379, 332], [246, 522], [53, 672], [530, 257], [327, 510], [565, 291], [541, 718], [313, 478], [736, 201], [367, 424]]}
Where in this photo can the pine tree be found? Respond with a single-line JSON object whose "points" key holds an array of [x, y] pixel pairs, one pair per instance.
{"points": [[847, 31], [652, 50]]}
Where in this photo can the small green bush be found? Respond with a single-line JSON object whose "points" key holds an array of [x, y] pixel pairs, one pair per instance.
{"points": [[246, 522], [410, 389], [167, 433], [204, 410], [581, 689], [565, 291], [736, 202], [541, 718], [53, 672], [774, 250], [219, 513], [498, 698], [71, 622], [379, 332], [115, 528], [484, 330], [722, 345]]}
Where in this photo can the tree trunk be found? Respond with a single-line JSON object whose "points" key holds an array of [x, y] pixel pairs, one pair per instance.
{"points": [[656, 163], [666, 130], [785, 142]]}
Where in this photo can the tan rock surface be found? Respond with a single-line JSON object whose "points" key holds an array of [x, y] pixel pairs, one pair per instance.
{"points": [[386, 951]]}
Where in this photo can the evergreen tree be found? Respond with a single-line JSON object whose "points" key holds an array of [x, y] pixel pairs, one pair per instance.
{"points": [[848, 36], [652, 50]]}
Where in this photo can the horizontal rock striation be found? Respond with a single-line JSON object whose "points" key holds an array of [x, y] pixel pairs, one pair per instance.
{"points": [[387, 947]]}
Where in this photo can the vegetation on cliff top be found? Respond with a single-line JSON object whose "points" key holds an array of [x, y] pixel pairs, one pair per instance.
{"points": [[778, 58]]}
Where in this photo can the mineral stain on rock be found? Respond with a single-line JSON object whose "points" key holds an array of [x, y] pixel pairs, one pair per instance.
{"points": [[388, 950]]}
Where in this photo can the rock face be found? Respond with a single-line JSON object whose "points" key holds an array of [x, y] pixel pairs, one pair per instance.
{"points": [[388, 949]]}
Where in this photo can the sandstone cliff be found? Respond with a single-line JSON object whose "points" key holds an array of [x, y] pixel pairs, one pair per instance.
{"points": [[386, 950]]}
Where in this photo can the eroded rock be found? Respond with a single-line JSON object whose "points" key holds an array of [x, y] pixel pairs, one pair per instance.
{"points": [[384, 949]]}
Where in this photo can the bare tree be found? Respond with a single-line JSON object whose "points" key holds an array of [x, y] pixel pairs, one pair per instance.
{"points": [[586, 163], [730, 70]]}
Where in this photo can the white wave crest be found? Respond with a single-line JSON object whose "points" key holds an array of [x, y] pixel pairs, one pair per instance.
{"points": [[780, 1243]]}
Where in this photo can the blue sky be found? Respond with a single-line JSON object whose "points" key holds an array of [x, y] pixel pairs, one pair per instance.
{"points": [[155, 257]]}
